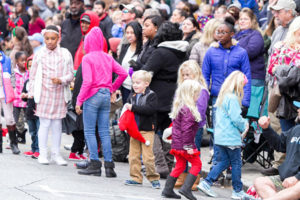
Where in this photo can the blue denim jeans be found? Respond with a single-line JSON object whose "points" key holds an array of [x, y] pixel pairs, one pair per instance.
{"points": [[214, 159], [96, 112], [198, 138], [287, 124], [226, 157], [33, 126]]}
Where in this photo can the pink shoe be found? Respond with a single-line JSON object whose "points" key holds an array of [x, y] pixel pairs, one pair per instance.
{"points": [[74, 157], [82, 157], [28, 153], [35, 155]]}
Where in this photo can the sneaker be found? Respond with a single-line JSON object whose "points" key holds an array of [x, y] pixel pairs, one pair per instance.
{"points": [[250, 198], [28, 153], [74, 157], [155, 184], [68, 147], [35, 155], [43, 161], [206, 189], [132, 182], [82, 157], [59, 160], [240, 195]]}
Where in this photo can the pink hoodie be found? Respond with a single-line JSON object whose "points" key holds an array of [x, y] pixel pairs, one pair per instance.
{"points": [[98, 68]]}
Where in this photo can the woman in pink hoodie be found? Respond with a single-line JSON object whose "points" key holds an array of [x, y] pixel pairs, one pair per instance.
{"points": [[95, 94]]}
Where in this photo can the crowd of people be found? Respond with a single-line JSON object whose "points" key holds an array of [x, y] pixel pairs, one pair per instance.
{"points": [[173, 63]]}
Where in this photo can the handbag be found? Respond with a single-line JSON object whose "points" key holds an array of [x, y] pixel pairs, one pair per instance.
{"points": [[275, 95]]}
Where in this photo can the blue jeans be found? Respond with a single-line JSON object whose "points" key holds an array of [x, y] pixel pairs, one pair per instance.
{"points": [[96, 112], [214, 159], [33, 126], [226, 157], [287, 124], [198, 138]]}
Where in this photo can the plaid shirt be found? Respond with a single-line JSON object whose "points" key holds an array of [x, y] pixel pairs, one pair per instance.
{"points": [[52, 103], [20, 80]]}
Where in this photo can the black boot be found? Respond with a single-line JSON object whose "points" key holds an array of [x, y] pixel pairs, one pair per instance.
{"points": [[168, 191], [186, 189], [94, 168], [22, 137], [82, 164], [13, 139], [109, 169], [1, 140]]}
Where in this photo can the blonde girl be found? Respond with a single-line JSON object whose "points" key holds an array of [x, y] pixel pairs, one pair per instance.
{"points": [[190, 70], [186, 118], [228, 141]]}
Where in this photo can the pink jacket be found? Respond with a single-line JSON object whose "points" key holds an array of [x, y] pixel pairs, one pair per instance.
{"points": [[20, 80], [98, 68]]}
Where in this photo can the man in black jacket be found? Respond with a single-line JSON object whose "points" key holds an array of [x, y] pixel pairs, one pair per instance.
{"points": [[286, 185], [105, 21], [70, 28]]}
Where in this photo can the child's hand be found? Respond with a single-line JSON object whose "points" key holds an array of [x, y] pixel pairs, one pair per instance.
{"points": [[245, 131], [56, 81], [24, 95], [264, 122], [190, 151], [78, 110], [128, 106]]}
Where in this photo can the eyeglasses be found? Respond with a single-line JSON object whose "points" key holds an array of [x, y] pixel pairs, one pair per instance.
{"points": [[221, 33], [125, 11]]}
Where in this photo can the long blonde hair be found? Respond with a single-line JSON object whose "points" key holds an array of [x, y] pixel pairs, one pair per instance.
{"points": [[195, 69], [185, 96], [290, 39], [209, 30], [234, 83]]}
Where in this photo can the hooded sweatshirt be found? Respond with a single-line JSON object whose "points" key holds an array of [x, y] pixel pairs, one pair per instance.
{"points": [[94, 22], [98, 67]]}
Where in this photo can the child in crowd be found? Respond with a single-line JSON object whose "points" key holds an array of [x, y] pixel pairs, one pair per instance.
{"points": [[228, 140], [21, 75], [186, 118], [117, 29], [50, 76], [142, 102], [206, 11], [32, 120], [190, 70]]}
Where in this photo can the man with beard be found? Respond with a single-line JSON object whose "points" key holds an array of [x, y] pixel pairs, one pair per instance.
{"points": [[70, 28], [105, 21]]}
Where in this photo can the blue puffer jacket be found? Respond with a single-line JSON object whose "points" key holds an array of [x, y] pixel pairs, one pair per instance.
{"points": [[219, 62]]}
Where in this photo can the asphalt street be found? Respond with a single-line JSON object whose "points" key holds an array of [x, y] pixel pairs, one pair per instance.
{"points": [[23, 178]]}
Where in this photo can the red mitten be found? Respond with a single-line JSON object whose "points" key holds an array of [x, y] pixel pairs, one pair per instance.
{"points": [[127, 123]]}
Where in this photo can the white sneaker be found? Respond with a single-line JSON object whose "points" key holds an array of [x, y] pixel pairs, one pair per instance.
{"points": [[43, 160], [59, 160]]}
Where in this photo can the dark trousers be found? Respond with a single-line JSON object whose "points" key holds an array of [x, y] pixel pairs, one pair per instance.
{"points": [[78, 144], [19, 116]]}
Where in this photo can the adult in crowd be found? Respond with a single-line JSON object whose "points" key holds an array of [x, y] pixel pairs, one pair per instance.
{"points": [[129, 53], [284, 11], [286, 185], [21, 43], [191, 32], [233, 10], [150, 27], [220, 60], [44, 11], [3, 22], [250, 38], [21, 14], [95, 94], [220, 12], [128, 13], [164, 62], [88, 20], [36, 24], [178, 16], [208, 37], [105, 21], [70, 28]]}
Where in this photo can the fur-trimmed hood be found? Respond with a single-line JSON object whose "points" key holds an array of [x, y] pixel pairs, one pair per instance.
{"points": [[217, 44]]}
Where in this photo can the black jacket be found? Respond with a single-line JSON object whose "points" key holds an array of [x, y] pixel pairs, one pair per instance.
{"points": [[3, 24], [148, 48], [76, 90], [70, 34], [30, 108], [145, 109], [289, 143], [105, 25], [124, 49], [164, 63]]}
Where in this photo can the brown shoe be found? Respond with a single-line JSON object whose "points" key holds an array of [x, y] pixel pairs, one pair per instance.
{"points": [[270, 172], [180, 180], [194, 188]]}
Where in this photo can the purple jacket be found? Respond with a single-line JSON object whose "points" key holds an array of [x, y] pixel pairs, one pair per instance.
{"points": [[184, 130], [202, 106]]}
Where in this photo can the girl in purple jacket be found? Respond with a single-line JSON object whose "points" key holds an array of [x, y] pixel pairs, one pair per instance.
{"points": [[186, 118]]}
